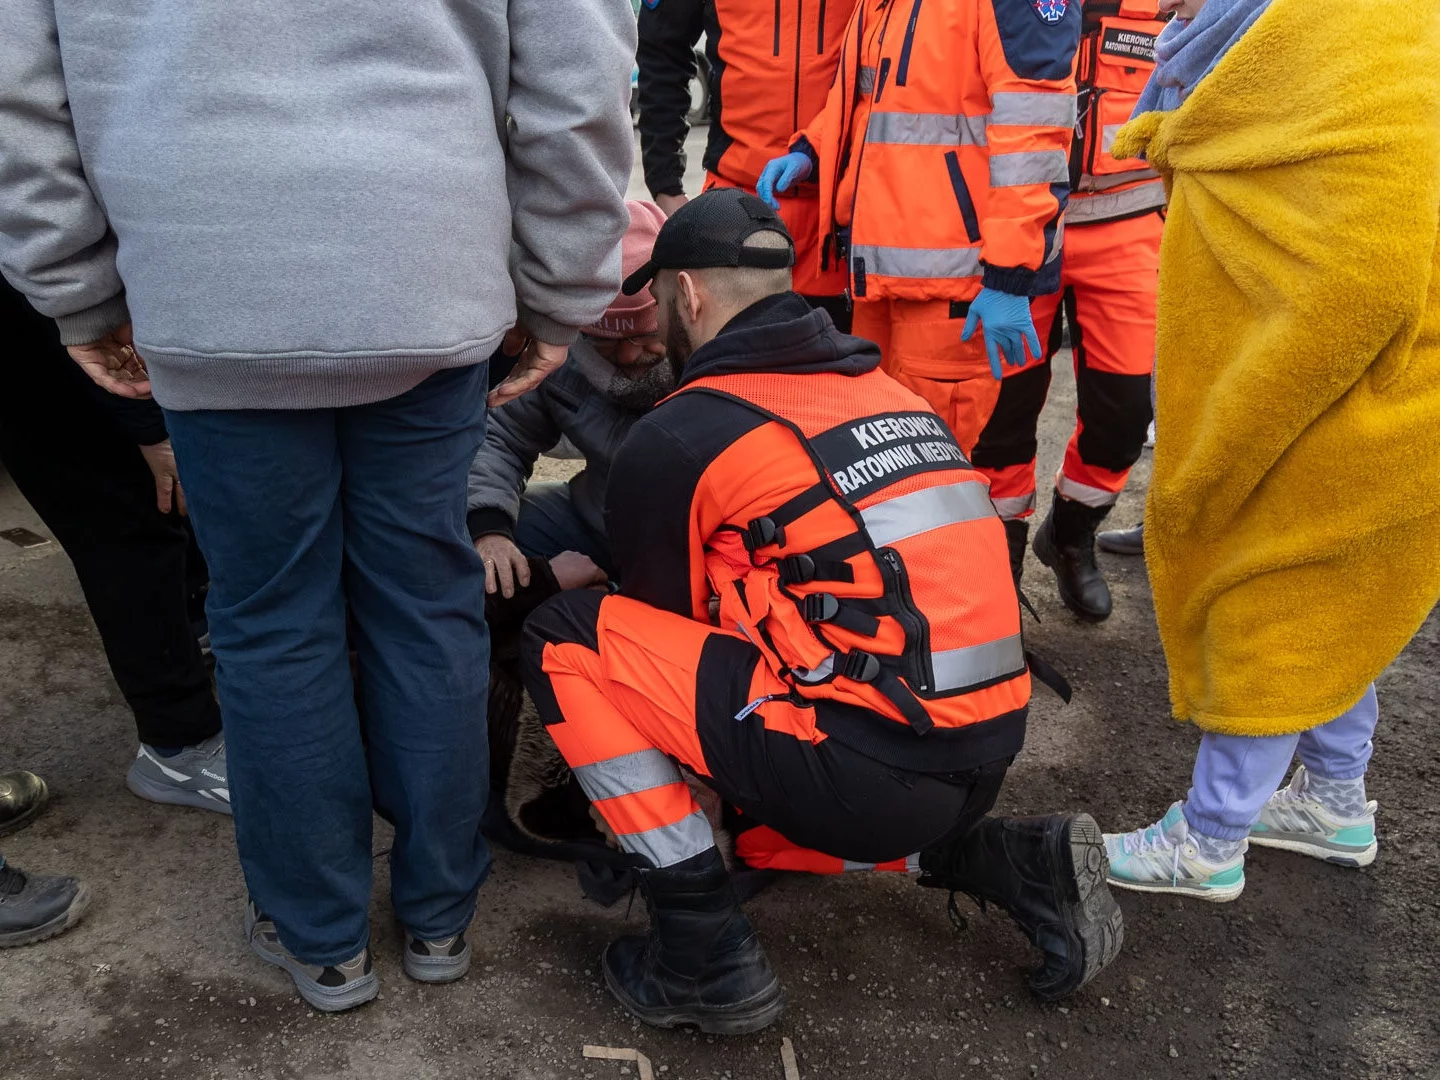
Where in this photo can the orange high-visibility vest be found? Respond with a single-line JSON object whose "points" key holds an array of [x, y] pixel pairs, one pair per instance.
{"points": [[1117, 55], [943, 145], [884, 582]]}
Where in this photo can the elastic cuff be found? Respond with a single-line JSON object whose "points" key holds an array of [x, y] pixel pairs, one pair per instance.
{"points": [[547, 329], [1015, 280], [92, 324], [676, 188], [1213, 829], [802, 146], [489, 521]]}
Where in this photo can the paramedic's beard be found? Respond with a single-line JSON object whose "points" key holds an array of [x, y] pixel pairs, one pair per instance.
{"points": [[678, 343]]}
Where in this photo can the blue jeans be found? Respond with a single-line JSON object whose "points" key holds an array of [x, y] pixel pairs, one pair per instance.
{"points": [[550, 524], [1236, 774], [300, 513]]}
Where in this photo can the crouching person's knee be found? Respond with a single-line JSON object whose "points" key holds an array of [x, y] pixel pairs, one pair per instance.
{"points": [[569, 618]]}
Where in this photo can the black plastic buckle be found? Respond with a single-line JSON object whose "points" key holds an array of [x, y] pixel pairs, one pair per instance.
{"points": [[860, 667], [820, 607], [797, 570], [761, 532]]}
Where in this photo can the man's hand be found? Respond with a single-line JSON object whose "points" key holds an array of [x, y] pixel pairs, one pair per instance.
{"points": [[168, 492], [670, 203], [779, 174], [537, 360], [1008, 327], [575, 571], [505, 567], [113, 364]]}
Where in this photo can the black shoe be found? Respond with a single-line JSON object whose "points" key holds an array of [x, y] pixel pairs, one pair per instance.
{"points": [[701, 963], [1048, 873], [33, 908], [1123, 541], [1017, 534], [22, 796], [1066, 544]]}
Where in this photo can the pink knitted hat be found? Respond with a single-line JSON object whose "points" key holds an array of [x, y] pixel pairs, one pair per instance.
{"points": [[633, 316]]}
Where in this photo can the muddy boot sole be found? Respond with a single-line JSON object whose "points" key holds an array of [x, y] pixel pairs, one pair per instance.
{"points": [[1049, 556], [1092, 917], [742, 1018]]}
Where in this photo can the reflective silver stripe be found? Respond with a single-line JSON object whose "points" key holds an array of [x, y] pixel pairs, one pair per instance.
{"points": [[959, 668], [671, 844], [1029, 167], [867, 79], [1057, 242], [912, 863], [900, 518], [918, 262], [849, 866], [626, 774], [926, 129], [1037, 110], [1107, 136], [1105, 205], [1014, 506], [1105, 183], [1084, 493]]}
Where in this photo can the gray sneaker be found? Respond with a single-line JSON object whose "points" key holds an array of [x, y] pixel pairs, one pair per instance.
{"points": [[330, 989], [197, 776], [439, 961]]}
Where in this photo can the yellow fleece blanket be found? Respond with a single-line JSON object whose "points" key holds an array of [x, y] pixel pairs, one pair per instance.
{"points": [[1293, 524]]}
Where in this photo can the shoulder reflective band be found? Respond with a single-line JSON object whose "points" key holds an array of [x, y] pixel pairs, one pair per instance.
{"points": [[900, 518], [926, 129], [1032, 109], [919, 262], [956, 669], [1029, 167]]}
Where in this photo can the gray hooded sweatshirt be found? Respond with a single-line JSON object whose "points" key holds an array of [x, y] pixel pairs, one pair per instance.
{"points": [[306, 205]]}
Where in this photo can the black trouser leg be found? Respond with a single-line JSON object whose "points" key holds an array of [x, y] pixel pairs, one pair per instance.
{"points": [[93, 490]]}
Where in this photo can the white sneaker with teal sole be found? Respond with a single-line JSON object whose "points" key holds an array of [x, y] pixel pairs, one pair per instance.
{"points": [[1162, 858], [1294, 820]]}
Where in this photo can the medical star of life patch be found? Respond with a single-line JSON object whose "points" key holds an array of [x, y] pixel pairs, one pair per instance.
{"points": [[1050, 11]]}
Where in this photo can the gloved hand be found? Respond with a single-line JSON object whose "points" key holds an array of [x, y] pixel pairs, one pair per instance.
{"points": [[779, 173], [1008, 327]]}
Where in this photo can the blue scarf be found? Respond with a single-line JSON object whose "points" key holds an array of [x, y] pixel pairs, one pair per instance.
{"points": [[1187, 51]]}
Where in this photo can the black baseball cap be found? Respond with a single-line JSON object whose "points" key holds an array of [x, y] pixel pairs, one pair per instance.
{"points": [[710, 230]]}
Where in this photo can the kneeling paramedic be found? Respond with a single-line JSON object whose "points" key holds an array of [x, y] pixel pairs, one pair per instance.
{"points": [[817, 619]]}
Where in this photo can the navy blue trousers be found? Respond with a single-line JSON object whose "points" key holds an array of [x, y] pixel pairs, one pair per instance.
{"points": [[301, 513]]}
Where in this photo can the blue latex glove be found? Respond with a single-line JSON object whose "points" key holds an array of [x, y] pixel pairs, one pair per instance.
{"points": [[779, 173], [1008, 327]]}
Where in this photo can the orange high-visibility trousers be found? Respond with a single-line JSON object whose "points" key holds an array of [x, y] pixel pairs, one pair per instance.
{"points": [[628, 691], [1108, 278], [920, 348]]}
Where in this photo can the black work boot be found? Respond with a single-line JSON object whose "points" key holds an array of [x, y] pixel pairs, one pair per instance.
{"points": [[22, 795], [1066, 544], [701, 963], [1048, 873], [1017, 534], [33, 908]]}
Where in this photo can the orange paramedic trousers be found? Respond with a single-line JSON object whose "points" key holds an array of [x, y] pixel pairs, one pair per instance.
{"points": [[627, 691], [1108, 277], [920, 348]]}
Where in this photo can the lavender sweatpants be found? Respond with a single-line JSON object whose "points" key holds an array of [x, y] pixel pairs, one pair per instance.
{"points": [[1236, 774]]}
